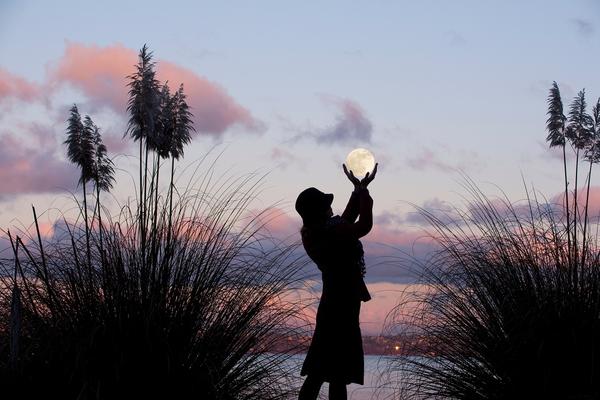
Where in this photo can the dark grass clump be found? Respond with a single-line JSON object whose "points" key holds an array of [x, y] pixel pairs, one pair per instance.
{"points": [[513, 306], [178, 295], [513, 312], [196, 313]]}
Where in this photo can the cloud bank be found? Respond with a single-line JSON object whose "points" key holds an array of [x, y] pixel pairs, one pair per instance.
{"points": [[351, 125], [426, 158], [15, 87], [33, 167], [29, 163], [584, 27], [100, 73]]}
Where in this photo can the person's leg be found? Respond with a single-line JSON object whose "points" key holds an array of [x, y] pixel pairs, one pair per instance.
{"points": [[310, 388], [337, 391]]}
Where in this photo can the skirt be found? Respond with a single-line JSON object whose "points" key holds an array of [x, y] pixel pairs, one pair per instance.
{"points": [[336, 352]]}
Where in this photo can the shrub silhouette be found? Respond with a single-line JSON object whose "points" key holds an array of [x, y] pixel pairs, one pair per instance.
{"points": [[194, 313], [176, 294], [514, 306]]}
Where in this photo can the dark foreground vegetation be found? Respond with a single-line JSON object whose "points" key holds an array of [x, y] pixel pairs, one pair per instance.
{"points": [[515, 308], [177, 295], [181, 294]]}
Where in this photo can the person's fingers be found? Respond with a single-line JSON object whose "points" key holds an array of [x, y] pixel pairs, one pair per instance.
{"points": [[348, 173], [366, 178], [369, 177], [374, 171]]}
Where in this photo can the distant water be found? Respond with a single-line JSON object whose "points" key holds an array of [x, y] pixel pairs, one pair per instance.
{"points": [[373, 388]]}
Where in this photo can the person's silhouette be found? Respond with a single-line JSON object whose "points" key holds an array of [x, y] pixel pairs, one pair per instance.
{"points": [[336, 354]]}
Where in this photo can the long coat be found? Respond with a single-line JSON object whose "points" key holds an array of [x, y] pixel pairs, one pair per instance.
{"points": [[336, 352]]}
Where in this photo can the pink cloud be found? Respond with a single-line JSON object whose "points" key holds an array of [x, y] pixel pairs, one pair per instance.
{"points": [[285, 158], [33, 168], [283, 224], [396, 238], [351, 126], [382, 240], [593, 205], [13, 86], [214, 109], [116, 143], [426, 158], [46, 229], [391, 254], [100, 73], [276, 222], [594, 201]]}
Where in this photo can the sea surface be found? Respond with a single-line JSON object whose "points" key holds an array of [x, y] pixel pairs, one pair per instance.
{"points": [[376, 375]]}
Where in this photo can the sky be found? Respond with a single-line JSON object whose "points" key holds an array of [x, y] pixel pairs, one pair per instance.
{"points": [[437, 90]]}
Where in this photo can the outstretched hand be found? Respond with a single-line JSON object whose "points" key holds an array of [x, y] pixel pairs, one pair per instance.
{"points": [[369, 177], [355, 181], [362, 183]]}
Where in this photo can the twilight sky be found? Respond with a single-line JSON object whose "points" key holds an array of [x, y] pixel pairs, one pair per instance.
{"points": [[430, 87]]}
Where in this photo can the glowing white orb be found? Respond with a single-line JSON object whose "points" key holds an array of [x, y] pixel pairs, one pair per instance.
{"points": [[360, 161]]}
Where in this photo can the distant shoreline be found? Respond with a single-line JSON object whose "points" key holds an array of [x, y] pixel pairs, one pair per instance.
{"points": [[406, 345]]}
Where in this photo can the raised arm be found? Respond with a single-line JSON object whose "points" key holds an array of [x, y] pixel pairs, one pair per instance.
{"points": [[352, 208], [365, 220], [360, 205]]}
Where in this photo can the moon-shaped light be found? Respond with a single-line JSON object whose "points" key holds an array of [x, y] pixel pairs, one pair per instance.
{"points": [[360, 161]]}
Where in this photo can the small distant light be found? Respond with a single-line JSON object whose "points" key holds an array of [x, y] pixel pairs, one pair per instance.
{"points": [[396, 347]]}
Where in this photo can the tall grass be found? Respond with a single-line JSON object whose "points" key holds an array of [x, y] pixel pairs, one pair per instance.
{"points": [[513, 310], [178, 294], [510, 314], [194, 311]]}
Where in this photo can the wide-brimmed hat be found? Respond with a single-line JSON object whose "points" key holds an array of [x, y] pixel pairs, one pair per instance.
{"points": [[312, 203]]}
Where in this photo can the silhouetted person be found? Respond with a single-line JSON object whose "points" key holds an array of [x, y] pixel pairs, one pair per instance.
{"points": [[332, 242]]}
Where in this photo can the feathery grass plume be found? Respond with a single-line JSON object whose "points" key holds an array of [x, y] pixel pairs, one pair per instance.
{"points": [[103, 169], [103, 172], [504, 318], [80, 151], [174, 133], [593, 152], [592, 156], [79, 142], [556, 126], [143, 107], [197, 316], [162, 124], [579, 132]]}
